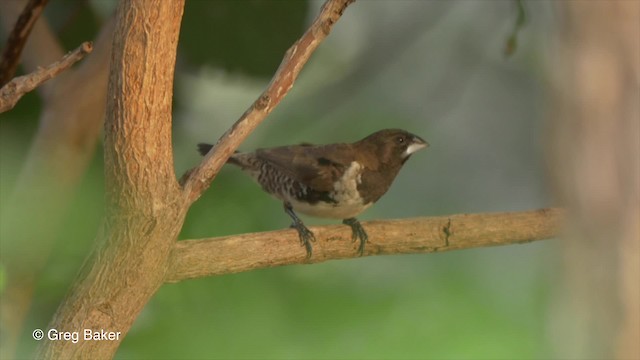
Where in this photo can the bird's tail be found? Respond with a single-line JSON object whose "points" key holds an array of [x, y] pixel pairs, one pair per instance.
{"points": [[203, 148]]}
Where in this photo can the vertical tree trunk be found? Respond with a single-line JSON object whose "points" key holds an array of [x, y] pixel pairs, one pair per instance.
{"points": [[596, 158], [144, 204]]}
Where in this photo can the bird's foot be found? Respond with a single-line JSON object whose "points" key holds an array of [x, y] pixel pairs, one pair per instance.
{"points": [[306, 236], [357, 232]]}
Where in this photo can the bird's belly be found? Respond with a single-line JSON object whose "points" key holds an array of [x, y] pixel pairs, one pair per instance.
{"points": [[342, 210], [344, 201]]}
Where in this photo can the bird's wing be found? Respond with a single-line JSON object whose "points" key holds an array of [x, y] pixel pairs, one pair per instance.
{"points": [[317, 167]]}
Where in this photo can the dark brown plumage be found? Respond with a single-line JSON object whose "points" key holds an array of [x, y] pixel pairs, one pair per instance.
{"points": [[336, 181]]}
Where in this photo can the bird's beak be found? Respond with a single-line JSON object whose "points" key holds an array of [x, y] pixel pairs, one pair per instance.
{"points": [[417, 143]]}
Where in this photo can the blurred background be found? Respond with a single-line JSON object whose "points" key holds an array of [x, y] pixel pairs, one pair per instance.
{"points": [[435, 68]]}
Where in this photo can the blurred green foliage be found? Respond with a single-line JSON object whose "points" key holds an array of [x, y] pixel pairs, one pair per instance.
{"points": [[73, 21], [482, 121], [229, 34]]}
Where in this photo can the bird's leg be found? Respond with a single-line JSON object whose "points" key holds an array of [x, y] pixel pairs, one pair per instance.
{"points": [[357, 232], [306, 236]]}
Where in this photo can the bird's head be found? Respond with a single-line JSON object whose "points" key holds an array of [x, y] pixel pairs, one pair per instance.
{"points": [[393, 145]]}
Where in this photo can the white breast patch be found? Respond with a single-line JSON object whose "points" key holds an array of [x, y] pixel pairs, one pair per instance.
{"points": [[348, 204]]}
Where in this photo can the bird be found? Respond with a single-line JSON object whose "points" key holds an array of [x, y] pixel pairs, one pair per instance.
{"points": [[336, 181]]}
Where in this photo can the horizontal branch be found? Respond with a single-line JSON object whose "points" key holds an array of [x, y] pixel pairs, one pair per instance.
{"points": [[237, 253], [18, 87], [198, 179]]}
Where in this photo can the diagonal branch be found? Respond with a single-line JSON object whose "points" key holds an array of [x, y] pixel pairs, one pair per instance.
{"points": [[18, 37], [237, 253], [18, 87], [197, 180]]}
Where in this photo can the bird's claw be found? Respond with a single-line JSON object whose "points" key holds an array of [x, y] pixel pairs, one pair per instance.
{"points": [[357, 232], [306, 236]]}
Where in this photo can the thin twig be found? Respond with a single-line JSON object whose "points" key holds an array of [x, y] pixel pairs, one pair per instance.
{"points": [[237, 253], [17, 38], [512, 41], [18, 87], [197, 180]]}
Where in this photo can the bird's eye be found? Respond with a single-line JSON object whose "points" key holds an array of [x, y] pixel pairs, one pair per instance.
{"points": [[400, 139]]}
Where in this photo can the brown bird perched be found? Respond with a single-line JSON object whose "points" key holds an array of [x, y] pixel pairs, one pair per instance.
{"points": [[337, 181]]}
